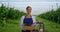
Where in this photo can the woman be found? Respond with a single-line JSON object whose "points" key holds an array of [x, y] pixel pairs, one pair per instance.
{"points": [[28, 21]]}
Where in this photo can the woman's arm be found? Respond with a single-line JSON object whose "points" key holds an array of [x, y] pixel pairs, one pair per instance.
{"points": [[34, 21], [28, 27], [21, 22]]}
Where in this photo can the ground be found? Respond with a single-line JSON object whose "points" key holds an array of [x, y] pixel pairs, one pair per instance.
{"points": [[14, 26]]}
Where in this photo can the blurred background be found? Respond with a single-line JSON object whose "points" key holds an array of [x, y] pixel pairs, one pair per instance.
{"points": [[47, 11]]}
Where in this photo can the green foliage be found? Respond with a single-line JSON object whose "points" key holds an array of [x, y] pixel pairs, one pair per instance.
{"points": [[53, 15], [10, 19], [50, 26], [9, 13]]}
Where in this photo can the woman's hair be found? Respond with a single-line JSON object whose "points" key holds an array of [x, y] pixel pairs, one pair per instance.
{"points": [[28, 7]]}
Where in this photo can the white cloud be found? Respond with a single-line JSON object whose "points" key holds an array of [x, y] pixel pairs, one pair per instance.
{"points": [[32, 0], [3, 0]]}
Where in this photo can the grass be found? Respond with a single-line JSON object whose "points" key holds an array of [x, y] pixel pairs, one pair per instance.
{"points": [[50, 26], [14, 26], [11, 26]]}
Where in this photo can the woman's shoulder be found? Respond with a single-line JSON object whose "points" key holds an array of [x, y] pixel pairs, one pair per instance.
{"points": [[23, 16], [33, 16]]}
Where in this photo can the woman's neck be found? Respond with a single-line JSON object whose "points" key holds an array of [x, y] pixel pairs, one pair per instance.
{"points": [[28, 15]]}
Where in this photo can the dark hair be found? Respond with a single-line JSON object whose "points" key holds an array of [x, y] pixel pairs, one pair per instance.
{"points": [[28, 7]]}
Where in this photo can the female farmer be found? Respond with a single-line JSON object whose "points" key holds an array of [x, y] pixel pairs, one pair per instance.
{"points": [[28, 21]]}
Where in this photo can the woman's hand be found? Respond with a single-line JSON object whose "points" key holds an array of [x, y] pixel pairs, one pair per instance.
{"points": [[41, 30], [32, 26]]}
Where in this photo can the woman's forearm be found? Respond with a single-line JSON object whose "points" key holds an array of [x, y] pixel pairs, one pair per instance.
{"points": [[29, 27]]}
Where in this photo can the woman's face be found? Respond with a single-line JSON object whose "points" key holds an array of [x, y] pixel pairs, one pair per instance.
{"points": [[29, 10]]}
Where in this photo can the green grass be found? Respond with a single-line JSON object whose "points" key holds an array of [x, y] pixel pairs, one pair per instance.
{"points": [[50, 26], [12, 26]]}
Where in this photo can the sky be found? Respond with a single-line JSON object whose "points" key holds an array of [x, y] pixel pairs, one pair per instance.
{"points": [[38, 6]]}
